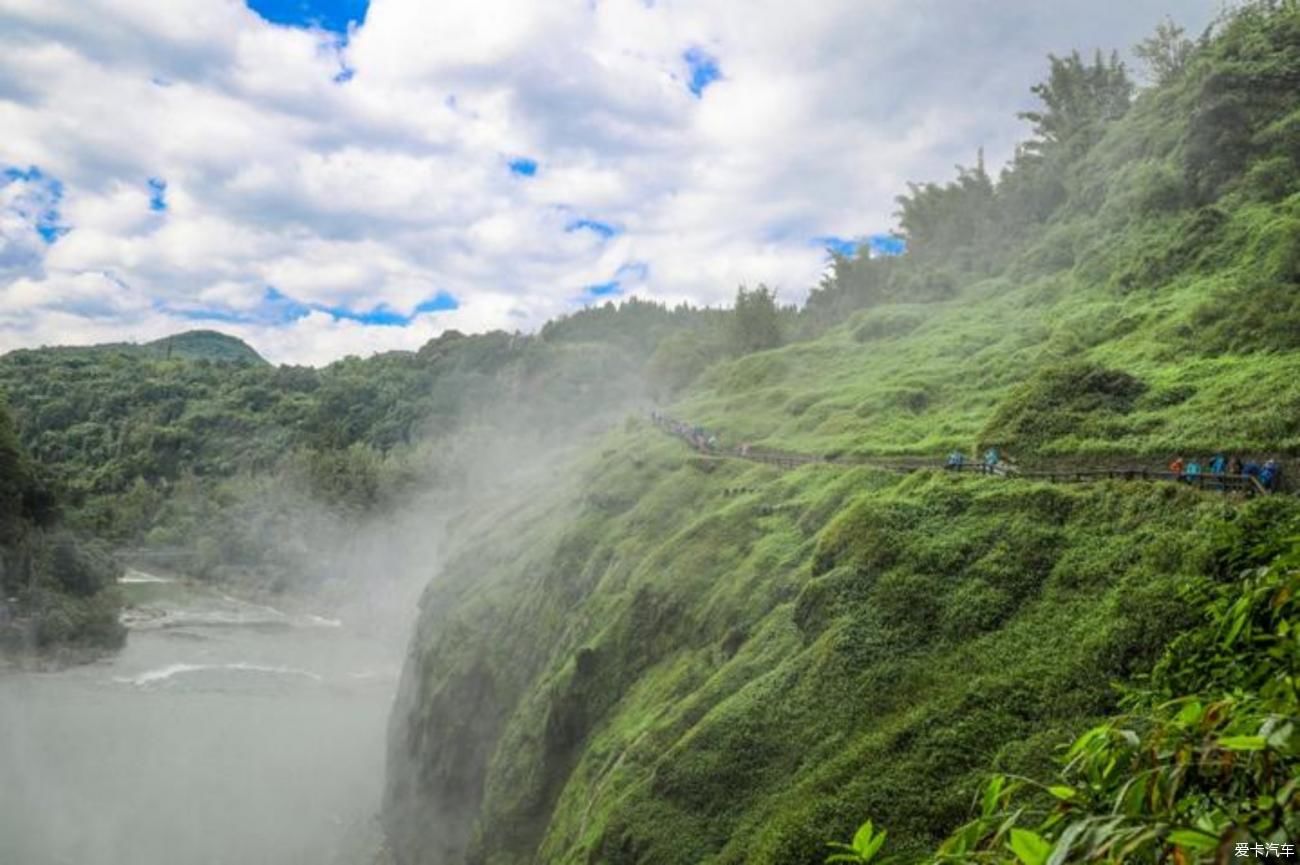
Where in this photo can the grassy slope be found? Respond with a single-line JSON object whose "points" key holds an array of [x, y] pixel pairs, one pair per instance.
{"points": [[925, 378], [637, 667], [1164, 292]]}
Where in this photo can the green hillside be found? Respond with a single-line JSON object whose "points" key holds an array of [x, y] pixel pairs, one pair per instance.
{"points": [[645, 667]]}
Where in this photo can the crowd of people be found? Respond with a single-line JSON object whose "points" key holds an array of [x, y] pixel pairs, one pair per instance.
{"points": [[1269, 474], [957, 459], [696, 436]]}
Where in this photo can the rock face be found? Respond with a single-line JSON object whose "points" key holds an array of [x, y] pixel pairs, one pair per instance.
{"points": [[463, 679], [439, 747]]}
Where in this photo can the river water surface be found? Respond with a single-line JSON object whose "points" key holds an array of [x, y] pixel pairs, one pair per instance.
{"points": [[225, 733]]}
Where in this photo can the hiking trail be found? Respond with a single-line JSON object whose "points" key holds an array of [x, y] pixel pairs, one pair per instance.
{"points": [[1225, 483]]}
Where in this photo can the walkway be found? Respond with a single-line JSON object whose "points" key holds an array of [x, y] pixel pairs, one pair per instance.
{"points": [[699, 440]]}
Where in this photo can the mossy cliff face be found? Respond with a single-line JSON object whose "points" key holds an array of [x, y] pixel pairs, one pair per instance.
{"points": [[640, 668]]}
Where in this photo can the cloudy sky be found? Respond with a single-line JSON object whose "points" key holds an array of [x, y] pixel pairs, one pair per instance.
{"points": [[332, 177]]}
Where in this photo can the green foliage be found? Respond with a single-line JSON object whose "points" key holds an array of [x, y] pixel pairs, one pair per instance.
{"points": [[1078, 100], [15, 474], [1205, 757], [665, 668], [139, 442], [680, 359], [1247, 82], [636, 326], [946, 220], [74, 566], [1070, 399], [864, 847], [203, 345], [56, 589], [1166, 52]]}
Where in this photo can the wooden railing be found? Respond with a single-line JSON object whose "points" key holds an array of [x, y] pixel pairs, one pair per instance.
{"points": [[1201, 480]]}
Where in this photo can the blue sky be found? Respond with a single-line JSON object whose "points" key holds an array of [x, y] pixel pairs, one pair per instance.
{"points": [[334, 177], [704, 69], [278, 310], [331, 15], [36, 200]]}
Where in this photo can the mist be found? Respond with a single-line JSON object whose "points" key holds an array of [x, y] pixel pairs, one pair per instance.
{"points": [[245, 721]]}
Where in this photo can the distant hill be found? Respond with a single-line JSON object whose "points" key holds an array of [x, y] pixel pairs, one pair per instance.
{"points": [[204, 345], [190, 345]]}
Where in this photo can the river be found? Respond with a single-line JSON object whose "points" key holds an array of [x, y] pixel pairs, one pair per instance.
{"points": [[225, 733]]}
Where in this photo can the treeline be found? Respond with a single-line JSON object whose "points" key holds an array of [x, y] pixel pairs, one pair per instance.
{"points": [[151, 445], [1217, 131], [197, 445]]}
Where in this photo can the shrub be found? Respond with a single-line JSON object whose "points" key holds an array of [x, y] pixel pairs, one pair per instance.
{"points": [[1060, 400]]}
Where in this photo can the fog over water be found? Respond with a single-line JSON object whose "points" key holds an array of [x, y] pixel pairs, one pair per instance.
{"points": [[225, 733], [242, 729]]}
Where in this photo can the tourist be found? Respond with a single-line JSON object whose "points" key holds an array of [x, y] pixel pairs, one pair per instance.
{"points": [[1269, 475]]}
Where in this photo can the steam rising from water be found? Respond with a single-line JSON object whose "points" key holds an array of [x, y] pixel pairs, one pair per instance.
{"points": [[238, 732]]}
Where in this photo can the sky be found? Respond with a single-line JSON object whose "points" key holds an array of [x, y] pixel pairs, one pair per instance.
{"points": [[332, 177]]}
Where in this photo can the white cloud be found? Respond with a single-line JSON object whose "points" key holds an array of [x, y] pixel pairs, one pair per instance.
{"points": [[394, 186]]}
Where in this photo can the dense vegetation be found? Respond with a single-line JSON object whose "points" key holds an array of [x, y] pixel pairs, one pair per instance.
{"points": [[1203, 764], [639, 667], [55, 589], [194, 445]]}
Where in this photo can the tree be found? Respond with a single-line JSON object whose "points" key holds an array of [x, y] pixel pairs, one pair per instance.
{"points": [[941, 218], [1165, 53], [15, 473], [1078, 99], [756, 322]]}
